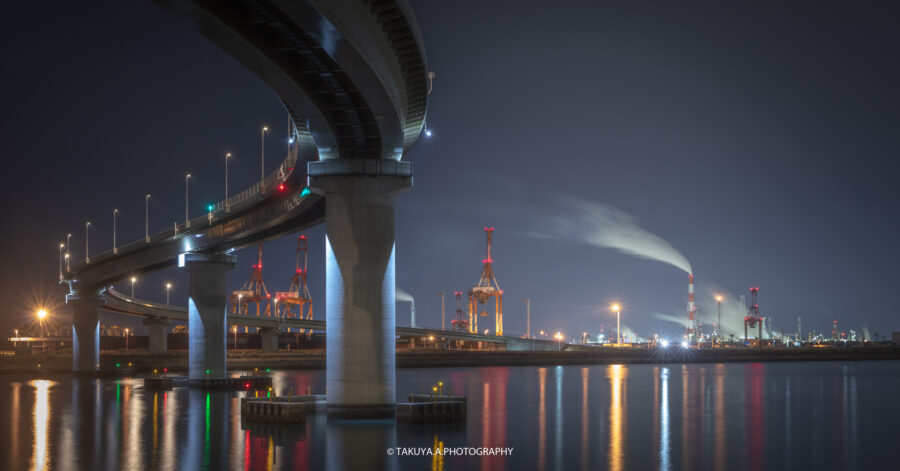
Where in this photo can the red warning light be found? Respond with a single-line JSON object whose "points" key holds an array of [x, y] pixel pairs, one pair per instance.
{"points": [[247, 385], [281, 187]]}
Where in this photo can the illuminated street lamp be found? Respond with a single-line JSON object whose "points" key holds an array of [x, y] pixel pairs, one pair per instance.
{"points": [[126, 339], [227, 206], [68, 238], [61, 245], [168, 288], [147, 218], [187, 222], [133, 280], [234, 330], [558, 337], [42, 314], [719, 318], [616, 307], [87, 257], [262, 137], [67, 261], [115, 213]]}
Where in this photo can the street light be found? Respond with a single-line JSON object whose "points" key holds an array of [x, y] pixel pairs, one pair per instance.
{"points": [[61, 245], [227, 206], [187, 222], [719, 318], [41, 314], [87, 258], [67, 262], [126, 339], [527, 302], [558, 341], [68, 237], [263, 157], [234, 330], [441, 294], [616, 307], [133, 279], [115, 213], [147, 218], [168, 288]]}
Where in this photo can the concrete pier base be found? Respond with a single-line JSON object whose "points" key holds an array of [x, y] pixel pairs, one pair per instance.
{"points": [[85, 333], [359, 274], [157, 335], [206, 313], [269, 339]]}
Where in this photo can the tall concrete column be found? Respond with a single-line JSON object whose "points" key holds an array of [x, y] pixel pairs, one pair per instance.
{"points": [[157, 335], [269, 339], [206, 313], [359, 277], [85, 333]]}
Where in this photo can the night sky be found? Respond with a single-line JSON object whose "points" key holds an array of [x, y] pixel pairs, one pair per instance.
{"points": [[759, 141]]}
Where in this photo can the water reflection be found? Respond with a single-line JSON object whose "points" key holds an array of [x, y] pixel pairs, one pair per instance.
{"points": [[664, 463], [617, 404], [40, 458], [542, 418], [741, 416]]}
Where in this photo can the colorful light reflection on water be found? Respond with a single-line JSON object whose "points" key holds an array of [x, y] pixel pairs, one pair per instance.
{"points": [[744, 416]]}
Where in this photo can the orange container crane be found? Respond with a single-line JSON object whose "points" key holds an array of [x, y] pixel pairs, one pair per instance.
{"points": [[297, 301], [486, 288], [253, 291]]}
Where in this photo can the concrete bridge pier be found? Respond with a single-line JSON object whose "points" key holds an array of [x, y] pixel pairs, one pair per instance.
{"points": [[157, 335], [359, 277], [85, 333], [207, 299], [269, 339]]}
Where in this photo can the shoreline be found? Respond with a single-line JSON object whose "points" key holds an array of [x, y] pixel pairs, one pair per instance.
{"points": [[247, 360]]}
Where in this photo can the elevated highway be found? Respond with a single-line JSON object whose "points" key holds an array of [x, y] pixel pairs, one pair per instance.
{"points": [[352, 76]]}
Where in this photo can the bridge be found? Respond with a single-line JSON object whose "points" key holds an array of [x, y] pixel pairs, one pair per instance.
{"points": [[352, 76], [158, 316]]}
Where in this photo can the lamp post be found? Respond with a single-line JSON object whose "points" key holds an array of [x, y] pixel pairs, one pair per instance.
{"points": [[67, 262], [227, 206], [187, 222], [126, 339], [133, 279], [147, 218], [115, 213], [234, 330], [61, 245], [262, 138], [68, 238], [527, 317], [558, 341], [168, 288], [719, 318], [87, 257], [441, 294], [618, 309]]}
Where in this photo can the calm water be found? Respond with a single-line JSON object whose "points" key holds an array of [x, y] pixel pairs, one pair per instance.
{"points": [[700, 416]]}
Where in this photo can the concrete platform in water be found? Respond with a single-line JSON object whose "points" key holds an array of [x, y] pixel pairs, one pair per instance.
{"points": [[284, 409]]}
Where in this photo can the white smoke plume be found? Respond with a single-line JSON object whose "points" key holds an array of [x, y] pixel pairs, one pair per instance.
{"points": [[604, 226], [403, 296]]}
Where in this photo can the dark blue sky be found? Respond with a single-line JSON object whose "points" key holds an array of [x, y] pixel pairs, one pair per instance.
{"points": [[759, 140]]}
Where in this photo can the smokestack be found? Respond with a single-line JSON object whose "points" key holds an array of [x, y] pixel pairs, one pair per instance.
{"points": [[412, 313]]}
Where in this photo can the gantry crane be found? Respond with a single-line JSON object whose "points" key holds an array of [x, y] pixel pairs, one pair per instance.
{"points": [[486, 288], [460, 324], [297, 301], [753, 318], [253, 291]]}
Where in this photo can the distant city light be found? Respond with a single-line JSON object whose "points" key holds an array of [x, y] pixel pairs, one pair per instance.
{"points": [[684, 343], [664, 343], [42, 313], [428, 133]]}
